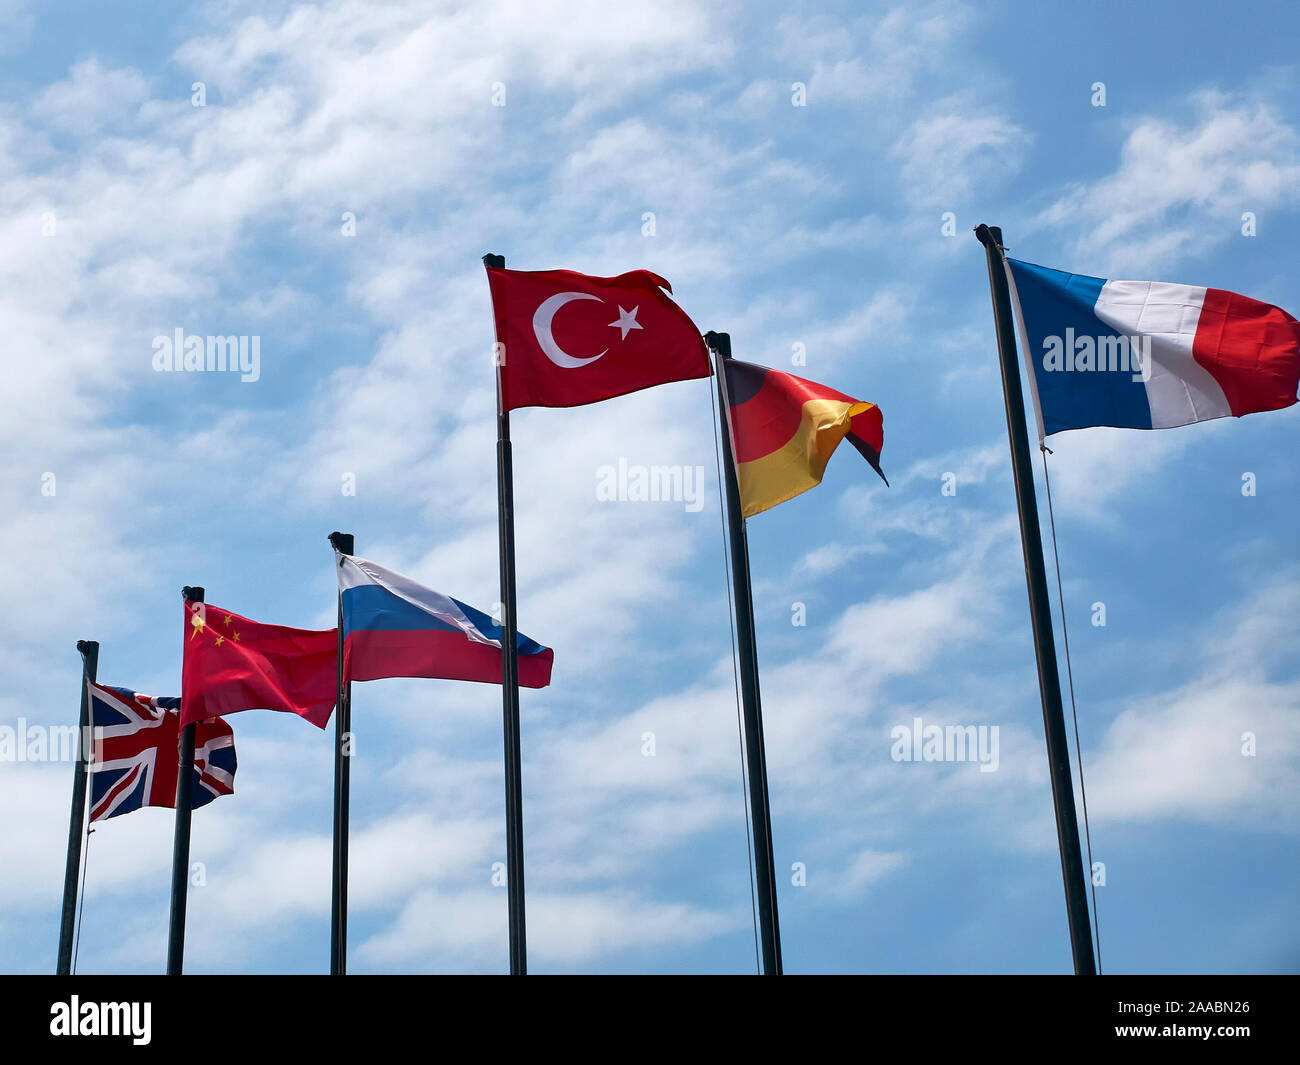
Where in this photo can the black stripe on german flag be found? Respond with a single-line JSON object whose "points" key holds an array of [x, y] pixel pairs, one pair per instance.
{"points": [[785, 429]]}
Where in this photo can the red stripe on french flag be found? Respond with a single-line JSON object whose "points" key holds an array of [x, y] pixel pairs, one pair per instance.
{"points": [[1252, 350]]}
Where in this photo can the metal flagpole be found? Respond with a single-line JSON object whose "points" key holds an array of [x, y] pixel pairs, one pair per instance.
{"points": [[510, 678], [755, 751], [344, 544], [181, 841], [1040, 612], [77, 822]]}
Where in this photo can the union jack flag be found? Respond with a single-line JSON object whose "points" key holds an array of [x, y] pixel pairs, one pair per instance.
{"points": [[135, 753]]}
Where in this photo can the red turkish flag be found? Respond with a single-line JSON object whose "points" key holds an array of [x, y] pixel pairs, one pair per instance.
{"points": [[232, 664], [568, 339]]}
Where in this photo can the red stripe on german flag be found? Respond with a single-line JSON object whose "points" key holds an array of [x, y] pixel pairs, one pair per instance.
{"points": [[785, 429]]}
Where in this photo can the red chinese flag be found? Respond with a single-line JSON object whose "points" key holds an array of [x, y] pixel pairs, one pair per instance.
{"points": [[232, 664], [567, 339]]}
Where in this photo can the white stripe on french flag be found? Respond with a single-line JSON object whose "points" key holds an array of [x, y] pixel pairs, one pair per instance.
{"points": [[1180, 390]]}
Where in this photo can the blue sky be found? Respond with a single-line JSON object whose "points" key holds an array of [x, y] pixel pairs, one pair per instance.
{"points": [[819, 225]]}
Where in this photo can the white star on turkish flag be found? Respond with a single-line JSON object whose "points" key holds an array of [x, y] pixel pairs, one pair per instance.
{"points": [[626, 321]]}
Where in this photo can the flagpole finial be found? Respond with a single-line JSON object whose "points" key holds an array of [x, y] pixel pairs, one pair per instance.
{"points": [[989, 236], [343, 543], [192, 593], [84, 646], [494, 262], [719, 342]]}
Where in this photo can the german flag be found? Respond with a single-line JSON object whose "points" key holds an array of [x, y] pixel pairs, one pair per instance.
{"points": [[785, 429]]}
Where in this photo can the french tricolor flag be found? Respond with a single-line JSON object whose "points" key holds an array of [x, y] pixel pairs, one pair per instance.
{"points": [[393, 627], [1146, 354]]}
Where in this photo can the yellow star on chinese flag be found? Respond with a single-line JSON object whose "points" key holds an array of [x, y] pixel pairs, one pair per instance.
{"points": [[220, 640], [235, 636], [196, 623]]}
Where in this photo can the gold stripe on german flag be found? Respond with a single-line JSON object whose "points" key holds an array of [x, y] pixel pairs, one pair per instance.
{"points": [[785, 429]]}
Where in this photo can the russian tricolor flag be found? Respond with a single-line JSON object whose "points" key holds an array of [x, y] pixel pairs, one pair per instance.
{"points": [[393, 627], [1149, 355]]}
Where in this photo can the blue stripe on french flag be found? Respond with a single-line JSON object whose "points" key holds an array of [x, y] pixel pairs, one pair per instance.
{"points": [[1148, 354], [394, 627]]}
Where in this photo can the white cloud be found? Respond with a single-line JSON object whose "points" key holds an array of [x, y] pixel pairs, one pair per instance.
{"points": [[1090, 468], [91, 98], [951, 150], [877, 329], [563, 929], [969, 466], [877, 57], [866, 868], [1181, 188], [1180, 755], [1225, 746]]}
